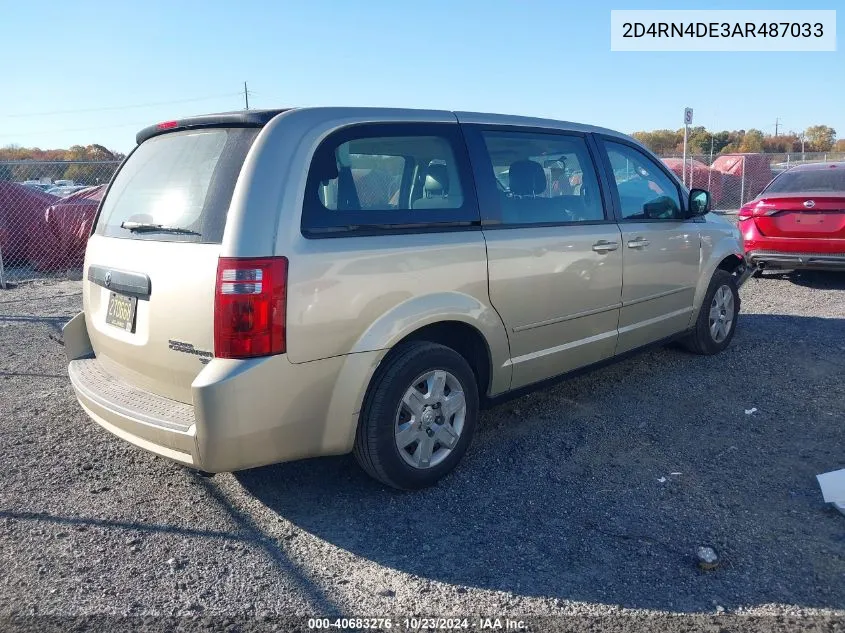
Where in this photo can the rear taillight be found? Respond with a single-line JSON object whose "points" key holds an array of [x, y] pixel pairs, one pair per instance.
{"points": [[757, 210], [249, 307]]}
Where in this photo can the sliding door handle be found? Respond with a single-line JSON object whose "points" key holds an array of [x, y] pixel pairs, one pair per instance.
{"points": [[603, 246]]}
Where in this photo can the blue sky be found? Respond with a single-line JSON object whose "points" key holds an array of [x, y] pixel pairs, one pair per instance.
{"points": [[543, 58]]}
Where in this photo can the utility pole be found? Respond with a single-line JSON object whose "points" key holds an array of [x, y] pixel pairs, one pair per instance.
{"points": [[246, 97], [777, 124]]}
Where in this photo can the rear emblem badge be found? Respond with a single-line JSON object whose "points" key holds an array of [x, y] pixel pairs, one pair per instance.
{"points": [[108, 278], [810, 204]]}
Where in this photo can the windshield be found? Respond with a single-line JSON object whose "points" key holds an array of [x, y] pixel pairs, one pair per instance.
{"points": [[182, 180], [830, 179]]}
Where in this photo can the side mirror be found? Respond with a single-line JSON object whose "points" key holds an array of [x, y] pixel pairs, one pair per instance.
{"points": [[699, 203]]}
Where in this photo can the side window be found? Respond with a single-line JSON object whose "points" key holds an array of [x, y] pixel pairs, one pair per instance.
{"points": [[645, 191], [385, 174], [544, 178]]}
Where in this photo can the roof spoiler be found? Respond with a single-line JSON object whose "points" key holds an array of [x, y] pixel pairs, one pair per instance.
{"points": [[244, 118]]}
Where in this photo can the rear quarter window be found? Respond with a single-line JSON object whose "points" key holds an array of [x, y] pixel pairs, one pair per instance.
{"points": [[389, 177], [178, 180]]}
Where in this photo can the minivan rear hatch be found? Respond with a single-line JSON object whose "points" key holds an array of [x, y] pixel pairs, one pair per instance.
{"points": [[151, 261]]}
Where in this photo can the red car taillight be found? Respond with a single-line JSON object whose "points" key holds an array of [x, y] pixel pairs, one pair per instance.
{"points": [[249, 307], [756, 210]]}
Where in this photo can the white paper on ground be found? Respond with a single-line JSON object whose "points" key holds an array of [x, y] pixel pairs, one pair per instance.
{"points": [[833, 486]]}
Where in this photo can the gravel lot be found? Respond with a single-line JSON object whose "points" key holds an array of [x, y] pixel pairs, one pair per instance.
{"points": [[587, 498]]}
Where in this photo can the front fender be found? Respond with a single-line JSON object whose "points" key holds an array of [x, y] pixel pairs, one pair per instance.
{"points": [[715, 248], [417, 312]]}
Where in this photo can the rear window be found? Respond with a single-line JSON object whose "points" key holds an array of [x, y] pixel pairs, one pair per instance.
{"points": [[181, 180], [830, 179]]}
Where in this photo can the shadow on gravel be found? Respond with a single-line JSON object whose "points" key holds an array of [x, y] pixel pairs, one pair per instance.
{"points": [[56, 323], [132, 526], [26, 374], [820, 279], [315, 595], [602, 488]]}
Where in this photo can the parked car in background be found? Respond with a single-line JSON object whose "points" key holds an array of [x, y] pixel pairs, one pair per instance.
{"points": [[65, 190], [21, 207], [699, 175], [37, 185], [265, 286], [743, 176], [58, 240], [798, 220]]}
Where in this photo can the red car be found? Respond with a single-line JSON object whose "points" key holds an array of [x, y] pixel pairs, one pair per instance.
{"points": [[798, 220]]}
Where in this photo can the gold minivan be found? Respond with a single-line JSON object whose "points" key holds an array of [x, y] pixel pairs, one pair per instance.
{"points": [[264, 286]]}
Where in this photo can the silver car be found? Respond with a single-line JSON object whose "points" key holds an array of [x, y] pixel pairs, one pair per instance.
{"points": [[265, 286]]}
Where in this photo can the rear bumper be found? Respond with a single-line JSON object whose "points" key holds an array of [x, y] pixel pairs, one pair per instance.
{"points": [[159, 425], [244, 413], [786, 260], [822, 253]]}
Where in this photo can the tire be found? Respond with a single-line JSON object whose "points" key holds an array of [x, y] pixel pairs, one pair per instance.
{"points": [[702, 339], [387, 420]]}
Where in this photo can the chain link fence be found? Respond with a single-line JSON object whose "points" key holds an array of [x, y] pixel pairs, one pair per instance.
{"points": [[46, 211], [734, 179], [46, 208]]}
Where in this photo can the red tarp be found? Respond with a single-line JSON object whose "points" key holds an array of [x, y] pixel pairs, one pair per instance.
{"points": [[20, 211], [757, 170], [702, 176], [62, 233]]}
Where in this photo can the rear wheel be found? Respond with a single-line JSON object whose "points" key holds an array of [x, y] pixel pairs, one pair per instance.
{"points": [[418, 417], [716, 322]]}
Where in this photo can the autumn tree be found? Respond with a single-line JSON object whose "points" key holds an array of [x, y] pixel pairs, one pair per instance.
{"points": [[660, 141], [821, 137], [89, 165], [752, 141], [781, 144]]}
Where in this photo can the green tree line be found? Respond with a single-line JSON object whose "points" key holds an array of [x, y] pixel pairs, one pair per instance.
{"points": [[817, 138], [86, 165]]}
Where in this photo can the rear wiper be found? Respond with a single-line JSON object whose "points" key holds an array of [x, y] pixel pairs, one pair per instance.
{"points": [[149, 227]]}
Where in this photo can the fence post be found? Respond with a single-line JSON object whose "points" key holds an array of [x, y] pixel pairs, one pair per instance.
{"points": [[787, 160], [742, 186], [2, 272]]}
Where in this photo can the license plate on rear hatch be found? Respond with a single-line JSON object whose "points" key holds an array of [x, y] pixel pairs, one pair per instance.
{"points": [[121, 311]]}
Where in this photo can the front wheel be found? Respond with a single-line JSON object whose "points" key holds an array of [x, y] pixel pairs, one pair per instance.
{"points": [[418, 417], [716, 322]]}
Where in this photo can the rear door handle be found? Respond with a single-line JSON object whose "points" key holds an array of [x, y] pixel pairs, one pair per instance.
{"points": [[638, 243], [603, 246]]}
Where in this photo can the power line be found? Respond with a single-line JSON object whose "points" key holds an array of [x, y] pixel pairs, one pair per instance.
{"points": [[123, 107]]}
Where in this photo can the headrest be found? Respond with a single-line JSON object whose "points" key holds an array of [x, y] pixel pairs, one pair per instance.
{"points": [[526, 178], [436, 180]]}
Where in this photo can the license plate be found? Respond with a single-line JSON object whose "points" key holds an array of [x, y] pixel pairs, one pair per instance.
{"points": [[121, 311]]}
